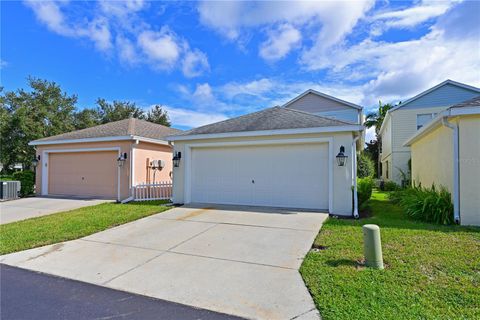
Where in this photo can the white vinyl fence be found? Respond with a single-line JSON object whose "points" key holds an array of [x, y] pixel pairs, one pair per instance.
{"points": [[153, 191]]}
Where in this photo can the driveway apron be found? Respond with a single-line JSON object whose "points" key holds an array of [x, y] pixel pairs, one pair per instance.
{"points": [[237, 260]]}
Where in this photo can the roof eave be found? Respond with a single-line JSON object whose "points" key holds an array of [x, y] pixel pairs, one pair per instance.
{"points": [[267, 132], [99, 139]]}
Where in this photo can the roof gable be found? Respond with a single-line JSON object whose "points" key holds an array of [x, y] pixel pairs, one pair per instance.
{"points": [[276, 118], [444, 94], [330, 101]]}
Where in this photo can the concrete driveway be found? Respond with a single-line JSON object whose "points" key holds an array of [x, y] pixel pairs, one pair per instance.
{"points": [[237, 260], [26, 208]]}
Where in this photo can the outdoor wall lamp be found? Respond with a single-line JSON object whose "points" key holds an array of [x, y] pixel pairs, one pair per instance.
{"points": [[121, 160], [35, 161], [341, 157], [176, 159]]}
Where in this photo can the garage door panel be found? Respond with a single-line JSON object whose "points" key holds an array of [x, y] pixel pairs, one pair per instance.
{"points": [[276, 175], [90, 174]]}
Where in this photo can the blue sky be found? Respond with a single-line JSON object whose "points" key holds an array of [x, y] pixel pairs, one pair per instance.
{"points": [[206, 61]]}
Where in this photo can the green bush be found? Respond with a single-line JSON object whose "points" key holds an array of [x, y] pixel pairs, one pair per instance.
{"points": [[364, 190], [426, 204], [389, 186], [5, 178], [27, 180], [365, 166]]}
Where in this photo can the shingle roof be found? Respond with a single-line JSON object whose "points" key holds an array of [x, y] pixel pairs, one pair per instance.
{"points": [[475, 102], [275, 118], [126, 127]]}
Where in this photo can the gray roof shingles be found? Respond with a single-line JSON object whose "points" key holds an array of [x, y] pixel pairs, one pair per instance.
{"points": [[276, 118], [126, 127], [475, 102]]}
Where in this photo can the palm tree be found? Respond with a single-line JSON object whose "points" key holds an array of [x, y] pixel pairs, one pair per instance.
{"points": [[375, 119]]}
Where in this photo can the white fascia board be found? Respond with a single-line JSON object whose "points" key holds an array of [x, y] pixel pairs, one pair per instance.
{"points": [[437, 121], [150, 140], [267, 133], [387, 116], [101, 139]]}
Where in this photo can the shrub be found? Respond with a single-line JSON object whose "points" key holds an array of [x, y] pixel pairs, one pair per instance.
{"points": [[389, 186], [364, 190], [426, 204], [27, 180], [365, 166]]}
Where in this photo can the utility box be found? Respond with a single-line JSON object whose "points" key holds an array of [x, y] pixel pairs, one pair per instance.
{"points": [[372, 246], [9, 190]]}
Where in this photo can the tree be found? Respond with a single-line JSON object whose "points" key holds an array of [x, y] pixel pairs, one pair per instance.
{"points": [[45, 110], [375, 119], [87, 118], [118, 110], [365, 166], [372, 149], [158, 115]]}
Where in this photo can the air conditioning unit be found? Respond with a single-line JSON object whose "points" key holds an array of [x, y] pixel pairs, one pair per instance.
{"points": [[9, 190], [157, 164]]}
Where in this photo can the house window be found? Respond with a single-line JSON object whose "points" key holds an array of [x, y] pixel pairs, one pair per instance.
{"points": [[424, 118]]}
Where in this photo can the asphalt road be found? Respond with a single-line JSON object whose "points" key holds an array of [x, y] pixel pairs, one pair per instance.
{"points": [[30, 295]]}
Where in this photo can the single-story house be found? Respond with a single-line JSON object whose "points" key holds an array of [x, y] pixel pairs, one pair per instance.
{"points": [[104, 161], [280, 157], [446, 152]]}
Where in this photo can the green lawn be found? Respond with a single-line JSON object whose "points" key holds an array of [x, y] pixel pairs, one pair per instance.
{"points": [[433, 272], [73, 224]]}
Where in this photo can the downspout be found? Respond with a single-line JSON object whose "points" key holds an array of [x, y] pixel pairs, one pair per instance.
{"points": [[354, 177], [456, 176]]}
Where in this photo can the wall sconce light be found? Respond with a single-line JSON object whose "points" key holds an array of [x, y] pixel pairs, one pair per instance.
{"points": [[35, 161], [121, 160], [341, 157], [176, 159]]}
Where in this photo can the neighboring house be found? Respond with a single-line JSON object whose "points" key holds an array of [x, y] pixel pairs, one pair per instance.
{"points": [[446, 152], [278, 157], [104, 161], [321, 104], [407, 118]]}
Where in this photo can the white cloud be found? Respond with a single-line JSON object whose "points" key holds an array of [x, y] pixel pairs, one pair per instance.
{"points": [[410, 17], [252, 88], [3, 64], [126, 50], [190, 119], [332, 20], [370, 134], [160, 47], [280, 42], [116, 27], [194, 63], [49, 13]]}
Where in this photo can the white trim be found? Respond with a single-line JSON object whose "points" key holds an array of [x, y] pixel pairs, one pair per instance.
{"points": [[45, 165], [267, 132], [188, 162], [354, 177], [315, 92], [101, 139], [150, 140]]}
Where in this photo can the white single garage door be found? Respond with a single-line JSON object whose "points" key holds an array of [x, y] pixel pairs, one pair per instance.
{"points": [[290, 175], [84, 174]]}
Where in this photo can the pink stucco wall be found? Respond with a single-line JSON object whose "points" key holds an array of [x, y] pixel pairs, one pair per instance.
{"points": [[146, 152]]}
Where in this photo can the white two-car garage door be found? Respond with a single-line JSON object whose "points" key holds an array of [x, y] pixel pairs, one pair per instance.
{"points": [[293, 175], [83, 174]]}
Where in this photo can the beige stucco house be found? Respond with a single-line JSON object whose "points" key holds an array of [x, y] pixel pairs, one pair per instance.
{"points": [[446, 152], [104, 161], [280, 157], [406, 119]]}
